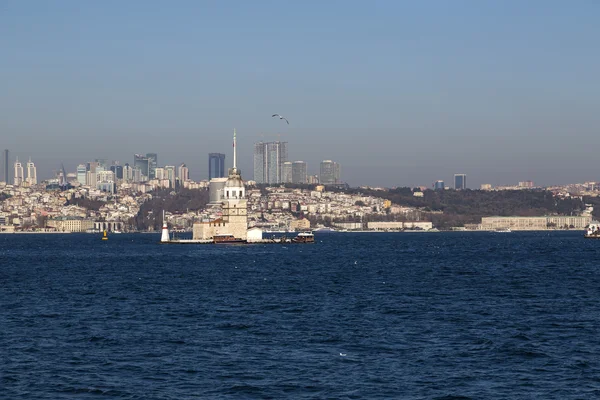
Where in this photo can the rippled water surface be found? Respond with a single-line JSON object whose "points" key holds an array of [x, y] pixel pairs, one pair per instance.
{"points": [[409, 315]]}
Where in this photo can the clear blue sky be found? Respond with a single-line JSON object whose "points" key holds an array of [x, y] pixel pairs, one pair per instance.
{"points": [[398, 92]]}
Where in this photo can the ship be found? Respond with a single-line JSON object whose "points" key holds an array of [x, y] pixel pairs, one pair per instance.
{"points": [[304, 237], [226, 238], [593, 230]]}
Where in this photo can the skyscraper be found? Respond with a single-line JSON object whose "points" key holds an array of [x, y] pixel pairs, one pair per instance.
{"points": [[460, 181], [299, 172], [170, 175], [286, 174], [117, 170], [268, 161], [19, 175], [142, 163], [81, 173], [183, 173], [330, 173], [31, 173], [216, 165], [127, 173], [6, 170], [438, 185], [152, 164]]}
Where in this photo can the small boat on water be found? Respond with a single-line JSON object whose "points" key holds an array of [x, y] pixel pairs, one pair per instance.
{"points": [[304, 237], [503, 230], [593, 230]]}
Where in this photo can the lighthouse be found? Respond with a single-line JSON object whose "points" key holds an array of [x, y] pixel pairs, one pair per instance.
{"points": [[164, 236]]}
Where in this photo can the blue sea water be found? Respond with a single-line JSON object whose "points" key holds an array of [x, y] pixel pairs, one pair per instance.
{"points": [[379, 316]]}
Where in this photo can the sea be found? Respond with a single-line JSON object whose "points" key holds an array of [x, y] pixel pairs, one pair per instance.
{"points": [[448, 315]]}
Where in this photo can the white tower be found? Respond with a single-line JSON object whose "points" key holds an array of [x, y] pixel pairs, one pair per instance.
{"points": [[31, 173], [18, 173], [164, 236]]}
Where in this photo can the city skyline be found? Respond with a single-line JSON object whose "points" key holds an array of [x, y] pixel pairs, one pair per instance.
{"points": [[401, 94]]}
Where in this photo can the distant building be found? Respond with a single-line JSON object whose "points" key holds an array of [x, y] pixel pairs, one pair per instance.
{"points": [[287, 172], [170, 175], [486, 186], [216, 165], [439, 185], [159, 173], [81, 173], [460, 181], [526, 184], [142, 163], [269, 158], [31, 173], [330, 173], [117, 170], [183, 174], [152, 164], [299, 172], [127, 173], [6, 169], [19, 174]]}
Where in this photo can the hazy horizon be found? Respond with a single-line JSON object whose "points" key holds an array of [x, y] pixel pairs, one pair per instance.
{"points": [[399, 93]]}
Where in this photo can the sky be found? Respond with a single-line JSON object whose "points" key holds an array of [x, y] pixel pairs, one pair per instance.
{"points": [[400, 93]]}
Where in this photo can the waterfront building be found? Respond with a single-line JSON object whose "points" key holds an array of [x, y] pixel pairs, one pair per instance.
{"points": [[269, 158], [81, 172], [31, 173], [330, 173], [216, 165], [535, 223], [299, 172], [439, 185], [70, 224], [234, 220], [287, 172], [460, 181], [19, 174]]}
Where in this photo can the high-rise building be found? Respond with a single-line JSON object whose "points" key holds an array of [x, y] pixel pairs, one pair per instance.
{"points": [[6, 169], [81, 173], [216, 165], [159, 173], [127, 173], [286, 172], [438, 185], [137, 174], [142, 163], [170, 175], [183, 173], [91, 166], [268, 161], [19, 175], [102, 162], [460, 181], [152, 164], [330, 173], [117, 170], [31, 173], [526, 184], [299, 172], [90, 179]]}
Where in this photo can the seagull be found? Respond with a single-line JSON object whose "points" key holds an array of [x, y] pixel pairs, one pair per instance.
{"points": [[281, 117]]}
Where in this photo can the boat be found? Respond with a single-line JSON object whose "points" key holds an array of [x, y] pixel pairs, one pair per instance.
{"points": [[304, 237], [226, 238], [503, 230], [593, 230]]}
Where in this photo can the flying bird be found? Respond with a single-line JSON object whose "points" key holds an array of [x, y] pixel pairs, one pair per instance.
{"points": [[281, 117]]}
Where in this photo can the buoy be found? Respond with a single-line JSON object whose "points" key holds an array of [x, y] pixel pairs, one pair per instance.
{"points": [[105, 237]]}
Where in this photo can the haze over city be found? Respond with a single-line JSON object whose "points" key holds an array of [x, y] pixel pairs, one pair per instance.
{"points": [[399, 93]]}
